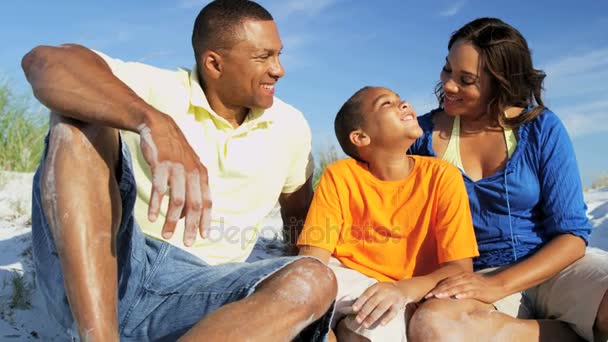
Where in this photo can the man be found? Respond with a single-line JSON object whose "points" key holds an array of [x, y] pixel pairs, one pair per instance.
{"points": [[184, 133]]}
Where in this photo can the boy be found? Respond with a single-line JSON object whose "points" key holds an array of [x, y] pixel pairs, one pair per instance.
{"points": [[391, 226]]}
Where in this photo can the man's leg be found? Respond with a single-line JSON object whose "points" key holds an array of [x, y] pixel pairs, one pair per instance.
{"points": [[82, 206], [470, 320], [280, 308]]}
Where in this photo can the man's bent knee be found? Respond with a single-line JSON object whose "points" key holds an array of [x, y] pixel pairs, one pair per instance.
{"points": [[92, 149], [74, 145], [305, 283], [78, 140]]}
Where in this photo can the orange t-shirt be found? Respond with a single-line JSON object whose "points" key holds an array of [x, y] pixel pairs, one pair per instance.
{"points": [[391, 230]]}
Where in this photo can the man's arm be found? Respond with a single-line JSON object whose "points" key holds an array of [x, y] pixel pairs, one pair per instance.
{"points": [[76, 82], [73, 81], [294, 207]]}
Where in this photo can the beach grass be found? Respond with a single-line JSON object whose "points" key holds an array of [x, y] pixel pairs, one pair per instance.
{"points": [[21, 131]]}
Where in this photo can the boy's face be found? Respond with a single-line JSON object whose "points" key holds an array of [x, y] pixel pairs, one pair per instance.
{"points": [[388, 120]]}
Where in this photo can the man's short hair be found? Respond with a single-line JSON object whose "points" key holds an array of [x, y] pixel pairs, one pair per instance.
{"points": [[349, 119], [217, 24]]}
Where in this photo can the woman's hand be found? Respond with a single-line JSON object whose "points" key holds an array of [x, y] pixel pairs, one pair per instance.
{"points": [[469, 285]]}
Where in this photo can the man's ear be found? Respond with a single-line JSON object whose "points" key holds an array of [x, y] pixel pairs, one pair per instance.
{"points": [[211, 64], [359, 138]]}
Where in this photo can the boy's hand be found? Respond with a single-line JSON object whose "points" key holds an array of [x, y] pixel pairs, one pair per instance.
{"points": [[381, 301]]}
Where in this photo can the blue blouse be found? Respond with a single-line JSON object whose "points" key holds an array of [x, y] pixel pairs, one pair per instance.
{"points": [[537, 196]]}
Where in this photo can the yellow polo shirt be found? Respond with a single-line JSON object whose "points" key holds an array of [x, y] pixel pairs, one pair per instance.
{"points": [[249, 166]]}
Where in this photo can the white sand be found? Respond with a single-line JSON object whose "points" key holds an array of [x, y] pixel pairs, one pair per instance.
{"points": [[29, 320]]}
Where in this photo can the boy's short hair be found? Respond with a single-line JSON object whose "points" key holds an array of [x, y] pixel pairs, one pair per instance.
{"points": [[348, 119]]}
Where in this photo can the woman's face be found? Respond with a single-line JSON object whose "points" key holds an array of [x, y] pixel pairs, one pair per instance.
{"points": [[465, 86]]}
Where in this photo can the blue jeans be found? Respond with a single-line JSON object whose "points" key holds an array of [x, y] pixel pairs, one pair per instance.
{"points": [[162, 290]]}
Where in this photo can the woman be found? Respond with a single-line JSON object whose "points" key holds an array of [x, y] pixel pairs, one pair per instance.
{"points": [[526, 200]]}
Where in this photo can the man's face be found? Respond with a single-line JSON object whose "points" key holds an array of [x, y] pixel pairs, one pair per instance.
{"points": [[387, 118], [251, 68]]}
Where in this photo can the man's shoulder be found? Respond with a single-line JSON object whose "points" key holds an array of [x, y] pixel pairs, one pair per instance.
{"points": [[284, 110], [288, 120], [115, 62]]}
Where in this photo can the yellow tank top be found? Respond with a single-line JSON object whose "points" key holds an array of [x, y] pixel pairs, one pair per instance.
{"points": [[452, 152]]}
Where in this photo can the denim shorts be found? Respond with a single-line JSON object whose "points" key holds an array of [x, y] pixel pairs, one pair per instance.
{"points": [[162, 290]]}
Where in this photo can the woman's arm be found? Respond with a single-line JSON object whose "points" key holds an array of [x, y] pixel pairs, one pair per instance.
{"points": [[556, 255]]}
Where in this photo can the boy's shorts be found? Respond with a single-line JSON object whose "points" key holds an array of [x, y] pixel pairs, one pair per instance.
{"points": [[351, 285], [572, 296], [162, 290]]}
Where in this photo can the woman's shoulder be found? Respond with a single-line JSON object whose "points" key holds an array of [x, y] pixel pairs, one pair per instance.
{"points": [[545, 125], [426, 121], [546, 117]]}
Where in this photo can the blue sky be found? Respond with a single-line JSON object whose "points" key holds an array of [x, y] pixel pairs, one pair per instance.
{"points": [[334, 47]]}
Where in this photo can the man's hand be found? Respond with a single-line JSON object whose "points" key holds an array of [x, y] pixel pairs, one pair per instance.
{"points": [[176, 166], [381, 301], [469, 285]]}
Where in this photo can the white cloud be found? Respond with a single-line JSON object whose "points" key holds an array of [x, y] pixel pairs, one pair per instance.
{"points": [[577, 84], [307, 7], [586, 118], [453, 9], [590, 61]]}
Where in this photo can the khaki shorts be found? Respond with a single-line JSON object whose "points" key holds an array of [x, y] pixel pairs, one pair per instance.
{"points": [[572, 296], [351, 285]]}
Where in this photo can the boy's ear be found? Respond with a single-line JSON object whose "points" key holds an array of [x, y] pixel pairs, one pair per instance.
{"points": [[359, 138], [211, 64]]}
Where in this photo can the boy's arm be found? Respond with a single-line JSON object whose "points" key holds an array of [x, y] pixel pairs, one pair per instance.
{"points": [[419, 287], [317, 252]]}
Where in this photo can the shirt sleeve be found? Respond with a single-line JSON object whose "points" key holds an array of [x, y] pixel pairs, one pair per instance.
{"points": [[301, 166], [453, 226], [324, 220], [562, 199], [145, 80]]}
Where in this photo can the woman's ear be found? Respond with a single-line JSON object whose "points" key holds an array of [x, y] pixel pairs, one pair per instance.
{"points": [[211, 64], [359, 138]]}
